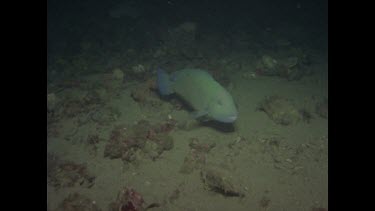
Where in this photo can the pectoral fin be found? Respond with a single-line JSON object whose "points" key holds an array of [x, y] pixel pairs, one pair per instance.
{"points": [[200, 115]]}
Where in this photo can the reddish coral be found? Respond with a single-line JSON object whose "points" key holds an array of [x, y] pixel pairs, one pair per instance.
{"points": [[134, 201]]}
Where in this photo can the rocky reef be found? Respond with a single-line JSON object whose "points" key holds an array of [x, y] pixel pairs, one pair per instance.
{"points": [[141, 140]]}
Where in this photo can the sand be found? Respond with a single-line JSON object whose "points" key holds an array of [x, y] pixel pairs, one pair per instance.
{"points": [[292, 175]]}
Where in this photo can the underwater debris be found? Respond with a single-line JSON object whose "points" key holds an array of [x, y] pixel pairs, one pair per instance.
{"points": [[77, 202], [62, 174], [220, 181], [280, 110]]}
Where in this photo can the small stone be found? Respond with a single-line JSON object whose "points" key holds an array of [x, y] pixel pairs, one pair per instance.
{"points": [[118, 75]]}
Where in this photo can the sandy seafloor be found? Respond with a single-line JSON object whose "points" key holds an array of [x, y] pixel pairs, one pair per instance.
{"points": [[293, 176]]}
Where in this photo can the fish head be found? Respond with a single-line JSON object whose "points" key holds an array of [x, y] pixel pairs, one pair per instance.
{"points": [[222, 108]]}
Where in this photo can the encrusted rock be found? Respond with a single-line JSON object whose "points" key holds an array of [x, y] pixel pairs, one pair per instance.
{"points": [[220, 181], [280, 110]]}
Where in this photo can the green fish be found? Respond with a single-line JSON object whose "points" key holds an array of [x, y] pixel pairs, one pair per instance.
{"points": [[201, 91]]}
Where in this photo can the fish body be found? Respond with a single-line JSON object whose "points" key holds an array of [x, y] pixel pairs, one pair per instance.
{"points": [[201, 91]]}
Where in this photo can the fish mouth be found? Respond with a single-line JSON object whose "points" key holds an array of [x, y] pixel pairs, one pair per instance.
{"points": [[232, 118], [229, 119]]}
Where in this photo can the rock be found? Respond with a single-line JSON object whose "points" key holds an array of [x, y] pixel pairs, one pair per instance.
{"points": [[220, 181], [126, 142], [280, 110], [203, 146], [164, 141], [269, 62], [118, 75], [289, 67], [123, 143], [196, 158], [193, 161], [144, 94], [151, 150], [267, 66]]}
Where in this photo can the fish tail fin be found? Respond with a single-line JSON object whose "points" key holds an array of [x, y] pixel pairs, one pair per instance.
{"points": [[164, 82]]}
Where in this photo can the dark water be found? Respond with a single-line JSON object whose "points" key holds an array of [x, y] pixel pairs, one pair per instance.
{"points": [[143, 26]]}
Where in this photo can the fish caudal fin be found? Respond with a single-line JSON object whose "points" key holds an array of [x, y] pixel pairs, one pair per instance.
{"points": [[164, 83]]}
